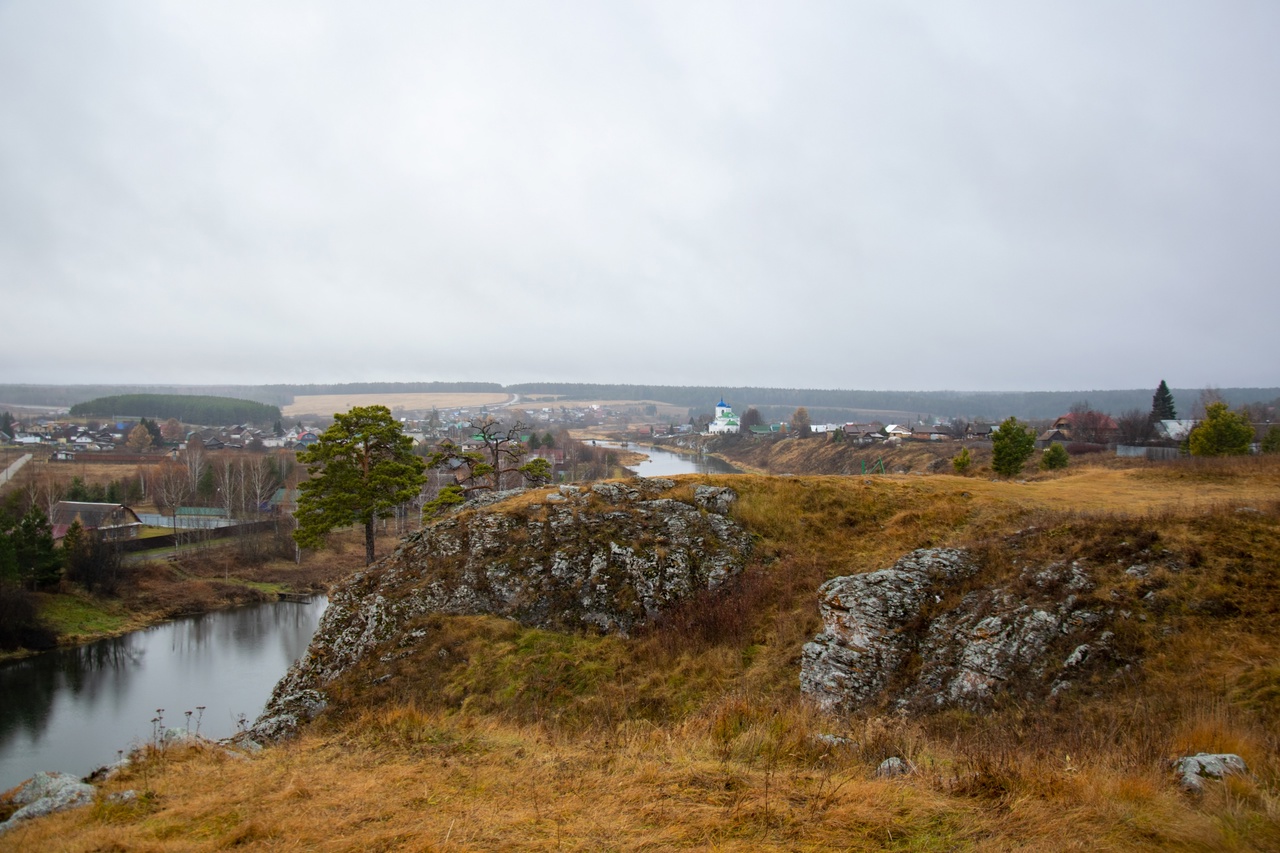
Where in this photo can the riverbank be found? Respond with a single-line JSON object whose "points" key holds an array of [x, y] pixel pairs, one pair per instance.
{"points": [[162, 589]]}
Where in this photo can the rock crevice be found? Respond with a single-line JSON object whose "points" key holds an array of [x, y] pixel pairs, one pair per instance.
{"points": [[899, 636]]}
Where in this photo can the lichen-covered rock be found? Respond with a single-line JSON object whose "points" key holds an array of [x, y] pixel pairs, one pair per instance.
{"points": [[896, 627], [1192, 770], [714, 498], [608, 558], [892, 767], [46, 793], [863, 645]]}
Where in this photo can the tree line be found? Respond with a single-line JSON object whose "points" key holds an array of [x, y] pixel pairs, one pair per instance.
{"points": [[189, 409]]}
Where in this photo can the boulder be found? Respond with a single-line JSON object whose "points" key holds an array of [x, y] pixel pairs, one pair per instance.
{"points": [[892, 767], [900, 631], [46, 793], [1192, 770]]}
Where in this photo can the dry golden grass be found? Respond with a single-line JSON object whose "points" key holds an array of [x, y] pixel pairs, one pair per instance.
{"points": [[736, 780], [327, 404], [692, 735]]}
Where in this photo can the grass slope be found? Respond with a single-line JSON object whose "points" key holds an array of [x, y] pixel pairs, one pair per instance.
{"points": [[694, 736]]}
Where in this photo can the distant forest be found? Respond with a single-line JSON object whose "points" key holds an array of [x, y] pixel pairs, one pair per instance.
{"points": [[836, 405], [774, 403], [189, 409]]}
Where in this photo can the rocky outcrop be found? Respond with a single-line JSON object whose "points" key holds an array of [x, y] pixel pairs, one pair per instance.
{"points": [[605, 558], [910, 637], [46, 793]]}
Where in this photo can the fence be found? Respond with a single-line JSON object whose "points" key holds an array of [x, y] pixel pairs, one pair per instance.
{"points": [[1143, 452], [184, 522], [185, 537]]}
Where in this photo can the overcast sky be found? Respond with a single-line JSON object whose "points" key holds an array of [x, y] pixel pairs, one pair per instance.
{"points": [[880, 195]]}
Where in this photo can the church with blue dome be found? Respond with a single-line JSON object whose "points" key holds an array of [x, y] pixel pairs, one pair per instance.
{"points": [[725, 420]]}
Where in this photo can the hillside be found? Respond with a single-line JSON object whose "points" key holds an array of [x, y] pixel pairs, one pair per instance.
{"points": [[189, 409], [470, 727]]}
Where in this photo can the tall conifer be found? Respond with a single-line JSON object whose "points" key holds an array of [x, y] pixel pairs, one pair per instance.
{"points": [[1162, 404]]}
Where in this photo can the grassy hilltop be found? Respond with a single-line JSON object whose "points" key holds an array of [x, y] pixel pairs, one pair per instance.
{"points": [[693, 734]]}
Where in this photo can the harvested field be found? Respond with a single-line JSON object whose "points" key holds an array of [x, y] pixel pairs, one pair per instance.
{"points": [[327, 404]]}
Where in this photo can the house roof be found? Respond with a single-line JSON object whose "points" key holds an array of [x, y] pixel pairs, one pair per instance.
{"points": [[1175, 430], [92, 516]]}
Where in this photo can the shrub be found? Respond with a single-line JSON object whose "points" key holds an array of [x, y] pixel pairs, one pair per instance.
{"points": [[1221, 433], [962, 461], [1055, 458]]}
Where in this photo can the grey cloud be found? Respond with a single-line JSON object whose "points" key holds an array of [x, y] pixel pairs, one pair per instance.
{"points": [[1057, 195]]}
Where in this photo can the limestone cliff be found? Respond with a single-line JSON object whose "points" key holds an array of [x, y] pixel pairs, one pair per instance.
{"points": [[606, 558]]}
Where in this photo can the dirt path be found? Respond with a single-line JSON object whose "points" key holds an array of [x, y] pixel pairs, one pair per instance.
{"points": [[9, 473]]}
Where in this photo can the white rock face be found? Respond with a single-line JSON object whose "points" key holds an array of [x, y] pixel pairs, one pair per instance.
{"points": [[897, 631], [607, 558]]}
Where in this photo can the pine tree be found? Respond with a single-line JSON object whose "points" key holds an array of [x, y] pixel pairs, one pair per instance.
{"points": [[39, 563], [1012, 444], [362, 468], [1055, 458], [1162, 404]]}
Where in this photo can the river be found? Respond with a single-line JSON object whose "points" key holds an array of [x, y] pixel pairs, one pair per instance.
{"points": [[73, 709], [664, 463]]}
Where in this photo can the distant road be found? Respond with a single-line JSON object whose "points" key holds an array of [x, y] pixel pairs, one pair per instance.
{"points": [[12, 470]]}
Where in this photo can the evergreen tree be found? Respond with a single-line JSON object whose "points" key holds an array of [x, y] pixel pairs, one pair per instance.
{"points": [[536, 472], [962, 460], [153, 429], [38, 561], [1162, 404], [1221, 433], [1012, 444], [8, 558], [1055, 458], [362, 468], [1271, 441]]}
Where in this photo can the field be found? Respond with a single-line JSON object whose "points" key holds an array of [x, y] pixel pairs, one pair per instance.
{"points": [[693, 735], [327, 404]]}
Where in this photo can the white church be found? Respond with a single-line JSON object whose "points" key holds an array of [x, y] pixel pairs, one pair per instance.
{"points": [[725, 421]]}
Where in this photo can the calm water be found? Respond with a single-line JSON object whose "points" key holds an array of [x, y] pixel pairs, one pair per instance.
{"points": [[664, 463], [72, 709]]}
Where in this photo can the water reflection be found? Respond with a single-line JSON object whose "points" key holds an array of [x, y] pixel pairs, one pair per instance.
{"points": [[72, 709]]}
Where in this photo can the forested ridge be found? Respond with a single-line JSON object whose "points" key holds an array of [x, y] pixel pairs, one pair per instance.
{"points": [[189, 409]]}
